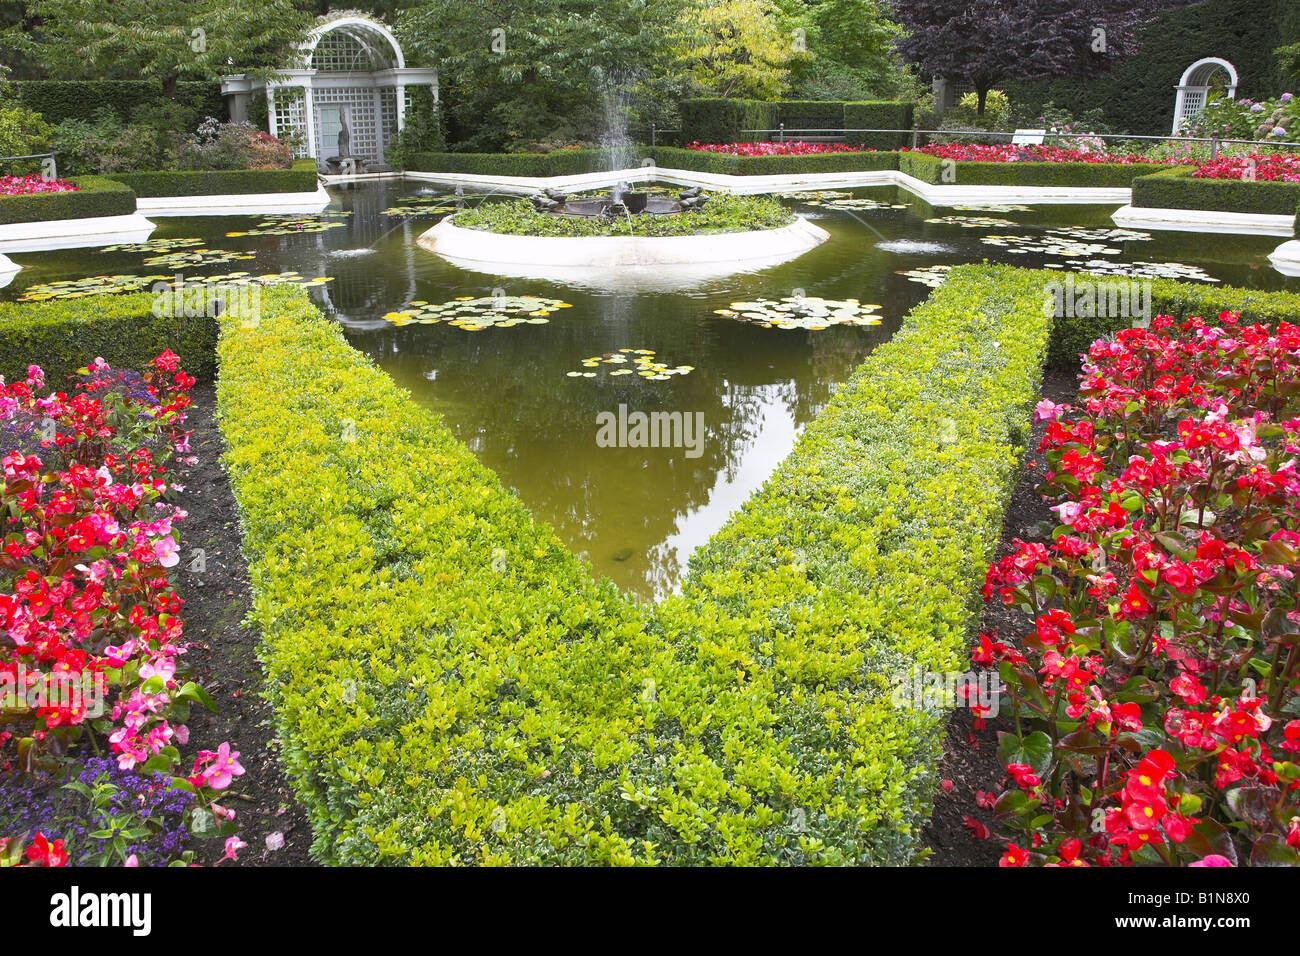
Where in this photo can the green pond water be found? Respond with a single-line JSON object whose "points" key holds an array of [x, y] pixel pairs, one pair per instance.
{"points": [[638, 513]]}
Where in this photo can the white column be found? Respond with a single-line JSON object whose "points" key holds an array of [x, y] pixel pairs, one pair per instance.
{"points": [[309, 105], [272, 121], [400, 89]]}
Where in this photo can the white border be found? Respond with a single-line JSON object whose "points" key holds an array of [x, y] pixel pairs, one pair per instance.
{"points": [[1286, 258], [1204, 220], [614, 252], [8, 269], [74, 233], [249, 204]]}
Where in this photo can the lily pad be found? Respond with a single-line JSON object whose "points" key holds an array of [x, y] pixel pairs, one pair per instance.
{"points": [[811, 313]]}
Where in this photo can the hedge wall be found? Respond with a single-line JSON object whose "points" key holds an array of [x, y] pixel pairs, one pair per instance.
{"points": [[1137, 96], [63, 336], [97, 196], [301, 178], [811, 114], [58, 100], [564, 162], [451, 686], [878, 115], [717, 120], [1175, 188]]}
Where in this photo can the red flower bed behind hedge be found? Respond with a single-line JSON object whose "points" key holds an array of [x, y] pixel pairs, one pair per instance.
{"points": [[788, 148], [1275, 167], [26, 185], [1155, 697]]}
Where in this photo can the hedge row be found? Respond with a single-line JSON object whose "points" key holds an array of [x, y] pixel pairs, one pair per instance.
{"points": [[451, 685], [130, 100], [62, 336], [1071, 337], [1175, 188], [96, 196], [878, 115], [718, 120], [563, 162], [300, 178]]}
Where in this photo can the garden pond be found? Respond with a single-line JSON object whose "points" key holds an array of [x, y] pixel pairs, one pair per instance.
{"points": [[523, 369]]}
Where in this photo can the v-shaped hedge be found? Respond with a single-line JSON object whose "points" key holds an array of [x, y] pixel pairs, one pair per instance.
{"points": [[452, 685]]}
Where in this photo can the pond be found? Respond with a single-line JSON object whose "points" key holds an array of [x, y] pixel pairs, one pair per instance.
{"points": [[528, 397]]}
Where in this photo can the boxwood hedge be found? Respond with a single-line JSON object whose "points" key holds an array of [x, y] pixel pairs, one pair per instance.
{"points": [[300, 178], [61, 336], [96, 196], [1175, 188], [719, 120], [129, 100], [561, 162], [451, 685], [881, 114]]}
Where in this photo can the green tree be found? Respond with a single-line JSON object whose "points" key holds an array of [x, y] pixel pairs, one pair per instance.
{"points": [[740, 48], [166, 40]]}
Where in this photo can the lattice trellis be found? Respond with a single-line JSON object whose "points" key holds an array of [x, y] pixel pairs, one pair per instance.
{"points": [[362, 125], [343, 51], [291, 118], [388, 113]]}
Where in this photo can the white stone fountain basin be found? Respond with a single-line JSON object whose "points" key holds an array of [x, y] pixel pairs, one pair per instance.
{"points": [[484, 250]]}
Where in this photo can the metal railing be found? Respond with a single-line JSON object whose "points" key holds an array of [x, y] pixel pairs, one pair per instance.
{"points": [[49, 166]]}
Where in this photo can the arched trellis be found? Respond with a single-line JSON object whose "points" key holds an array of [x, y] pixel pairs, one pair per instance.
{"points": [[352, 75], [1193, 89]]}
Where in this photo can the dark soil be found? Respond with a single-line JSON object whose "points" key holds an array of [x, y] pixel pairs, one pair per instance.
{"points": [[224, 655], [970, 759]]}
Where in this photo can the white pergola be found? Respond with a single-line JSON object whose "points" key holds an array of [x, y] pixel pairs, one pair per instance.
{"points": [[352, 73], [1194, 88]]}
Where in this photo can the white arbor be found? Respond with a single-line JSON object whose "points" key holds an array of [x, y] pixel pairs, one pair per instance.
{"points": [[1194, 88], [352, 76]]}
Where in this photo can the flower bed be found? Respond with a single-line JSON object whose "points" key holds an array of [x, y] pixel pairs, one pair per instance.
{"points": [[90, 663], [788, 148], [1155, 695], [452, 686], [30, 185], [1003, 153], [1258, 167], [721, 214], [94, 196]]}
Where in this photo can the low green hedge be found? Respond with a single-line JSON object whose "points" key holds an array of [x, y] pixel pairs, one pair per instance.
{"points": [[931, 169], [1175, 188], [811, 115], [62, 336], [96, 196], [561, 162], [705, 162], [878, 115], [451, 685], [1072, 336], [300, 178], [719, 120]]}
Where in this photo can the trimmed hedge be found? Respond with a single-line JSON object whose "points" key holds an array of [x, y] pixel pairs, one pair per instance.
{"points": [[451, 686], [718, 120], [878, 115], [1176, 188], [97, 196], [62, 336], [699, 161], [811, 115], [563, 162], [300, 178], [58, 100], [1072, 336]]}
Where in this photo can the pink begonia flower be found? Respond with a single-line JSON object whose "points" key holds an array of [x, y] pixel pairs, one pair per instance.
{"points": [[167, 551], [1068, 511], [1213, 860], [233, 846], [131, 861], [275, 841], [223, 769], [1047, 409]]}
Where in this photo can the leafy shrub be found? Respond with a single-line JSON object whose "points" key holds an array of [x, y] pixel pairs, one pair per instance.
{"points": [[422, 132], [1226, 118], [218, 145], [22, 133], [105, 144], [721, 214]]}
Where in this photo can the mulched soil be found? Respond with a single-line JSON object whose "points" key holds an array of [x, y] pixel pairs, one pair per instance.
{"points": [[970, 758], [224, 655]]}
